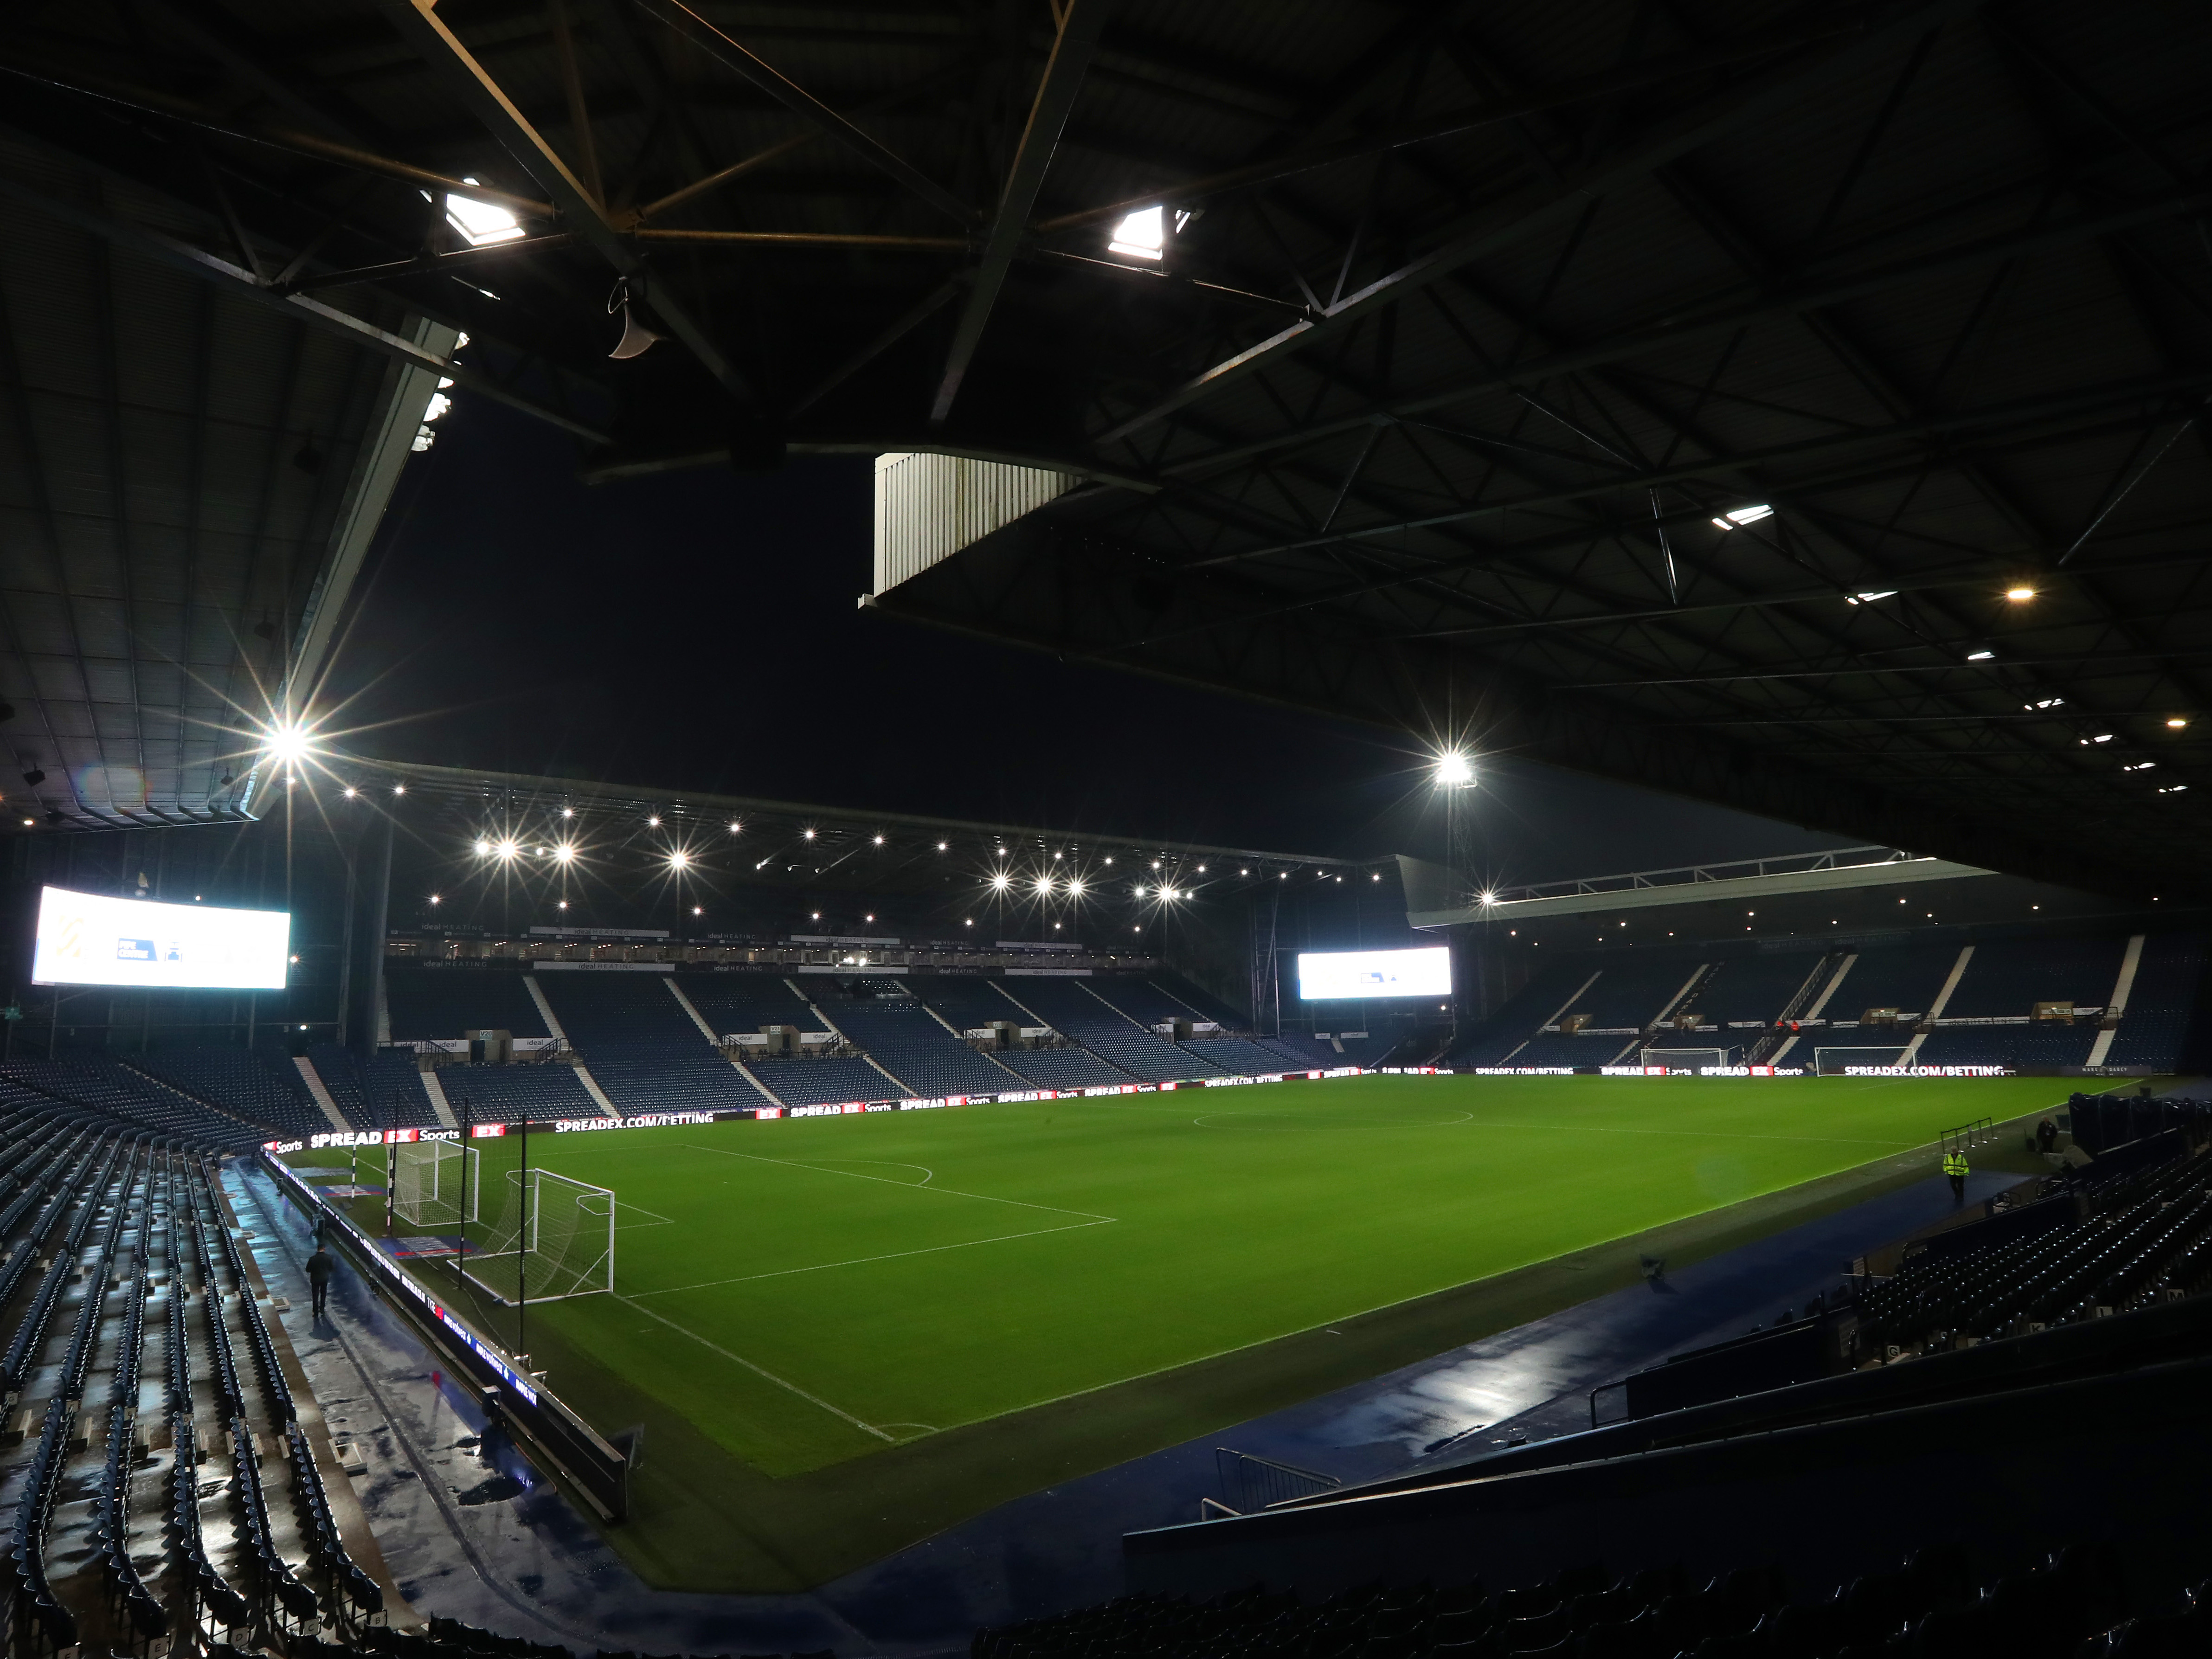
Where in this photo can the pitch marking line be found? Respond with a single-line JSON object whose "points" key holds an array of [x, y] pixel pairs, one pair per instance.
{"points": [[887, 1255], [1705, 1134], [911, 1185], [757, 1370]]}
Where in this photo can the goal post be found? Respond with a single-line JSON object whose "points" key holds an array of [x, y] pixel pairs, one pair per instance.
{"points": [[436, 1183], [1682, 1060], [1841, 1061], [555, 1238]]}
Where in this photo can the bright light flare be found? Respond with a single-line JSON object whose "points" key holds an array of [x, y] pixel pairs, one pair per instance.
{"points": [[287, 742], [564, 853], [1453, 770], [679, 860], [2019, 595]]}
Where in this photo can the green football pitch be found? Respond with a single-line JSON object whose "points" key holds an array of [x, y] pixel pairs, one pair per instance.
{"points": [[809, 1304]]}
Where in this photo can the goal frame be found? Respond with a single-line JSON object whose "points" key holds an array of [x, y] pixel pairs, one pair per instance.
{"points": [[1891, 1053], [596, 1277], [1655, 1055], [435, 1156]]}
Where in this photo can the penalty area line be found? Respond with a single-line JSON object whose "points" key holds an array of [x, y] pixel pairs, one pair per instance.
{"points": [[759, 1370], [887, 1255]]}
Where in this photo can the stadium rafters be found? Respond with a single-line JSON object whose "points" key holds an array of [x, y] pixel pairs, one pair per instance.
{"points": [[1464, 331]]}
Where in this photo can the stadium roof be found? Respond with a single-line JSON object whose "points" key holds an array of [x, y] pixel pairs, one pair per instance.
{"points": [[1471, 328]]}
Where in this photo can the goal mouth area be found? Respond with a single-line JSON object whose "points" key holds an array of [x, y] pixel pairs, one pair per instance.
{"points": [[554, 1240], [1685, 1062]]}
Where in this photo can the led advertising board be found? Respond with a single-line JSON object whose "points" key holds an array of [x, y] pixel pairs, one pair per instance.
{"points": [[88, 939], [1343, 975]]}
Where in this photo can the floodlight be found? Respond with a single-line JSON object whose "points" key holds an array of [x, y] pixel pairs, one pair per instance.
{"points": [[940, 847], [1202, 869], [1155, 864], [1870, 598], [871, 918], [653, 823], [564, 852], [1109, 861], [399, 788], [482, 848], [481, 223], [2177, 722], [1140, 892], [736, 829], [435, 899], [1002, 881], [814, 915], [564, 904], [1490, 898], [1737, 517], [696, 911], [568, 812], [1980, 656], [1075, 887], [287, 742], [879, 840], [1044, 883], [678, 860], [2017, 594], [1453, 770], [809, 835], [1141, 235], [1243, 873], [351, 792], [506, 849], [2139, 766]]}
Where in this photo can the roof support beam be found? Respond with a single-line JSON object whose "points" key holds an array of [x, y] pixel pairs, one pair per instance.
{"points": [[197, 262], [741, 63], [1080, 21], [1620, 348], [418, 20], [1543, 207]]}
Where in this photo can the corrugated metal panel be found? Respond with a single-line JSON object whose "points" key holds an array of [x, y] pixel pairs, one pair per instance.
{"points": [[930, 507]]}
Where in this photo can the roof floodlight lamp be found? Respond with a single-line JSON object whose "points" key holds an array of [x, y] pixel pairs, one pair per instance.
{"points": [[1454, 770], [289, 742], [1736, 517], [2017, 594], [1075, 887], [481, 223], [678, 858], [564, 852], [1490, 898], [1140, 892], [568, 812], [1141, 235], [482, 848], [1002, 881], [1044, 883], [506, 849], [810, 834]]}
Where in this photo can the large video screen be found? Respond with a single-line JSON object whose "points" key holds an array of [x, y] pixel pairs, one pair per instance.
{"points": [[1339, 976], [88, 939]]}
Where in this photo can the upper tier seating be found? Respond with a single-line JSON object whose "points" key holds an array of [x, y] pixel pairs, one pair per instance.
{"points": [[901, 1034], [262, 1089], [383, 1092], [1069, 1008], [443, 1000], [508, 1094], [1750, 988], [1629, 994], [107, 1087], [824, 1082], [1907, 979], [2159, 1004], [645, 1052], [744, 1001]]}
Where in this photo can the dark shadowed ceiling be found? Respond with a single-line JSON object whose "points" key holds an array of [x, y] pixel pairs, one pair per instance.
{"points": [[1470, 323]]}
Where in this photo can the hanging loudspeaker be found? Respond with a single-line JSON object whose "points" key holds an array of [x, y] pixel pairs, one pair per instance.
{"points": [[636, 336]]}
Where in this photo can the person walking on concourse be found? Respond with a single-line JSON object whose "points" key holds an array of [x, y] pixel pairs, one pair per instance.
{"points": [[1954, 1165], [321, 1267]]}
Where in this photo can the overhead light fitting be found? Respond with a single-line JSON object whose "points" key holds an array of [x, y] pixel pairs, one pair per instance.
{"points": [[678, 860], [2018, 595], [1980, 656], [1143, 234], [2176, 723], [1736, 517], [1453, 770], [1871, 596], [481, 224]]}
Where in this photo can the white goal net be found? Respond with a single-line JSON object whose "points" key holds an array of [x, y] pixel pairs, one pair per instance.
{"points": [[434, 1183], [555, 1238], [1842, 1062], [1683, 1059]]}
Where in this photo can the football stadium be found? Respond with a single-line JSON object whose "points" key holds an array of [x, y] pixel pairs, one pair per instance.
{"points": [[1084, 828]]}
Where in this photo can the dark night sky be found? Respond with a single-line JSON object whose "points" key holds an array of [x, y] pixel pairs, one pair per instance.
{"points": [[699, 630]]}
